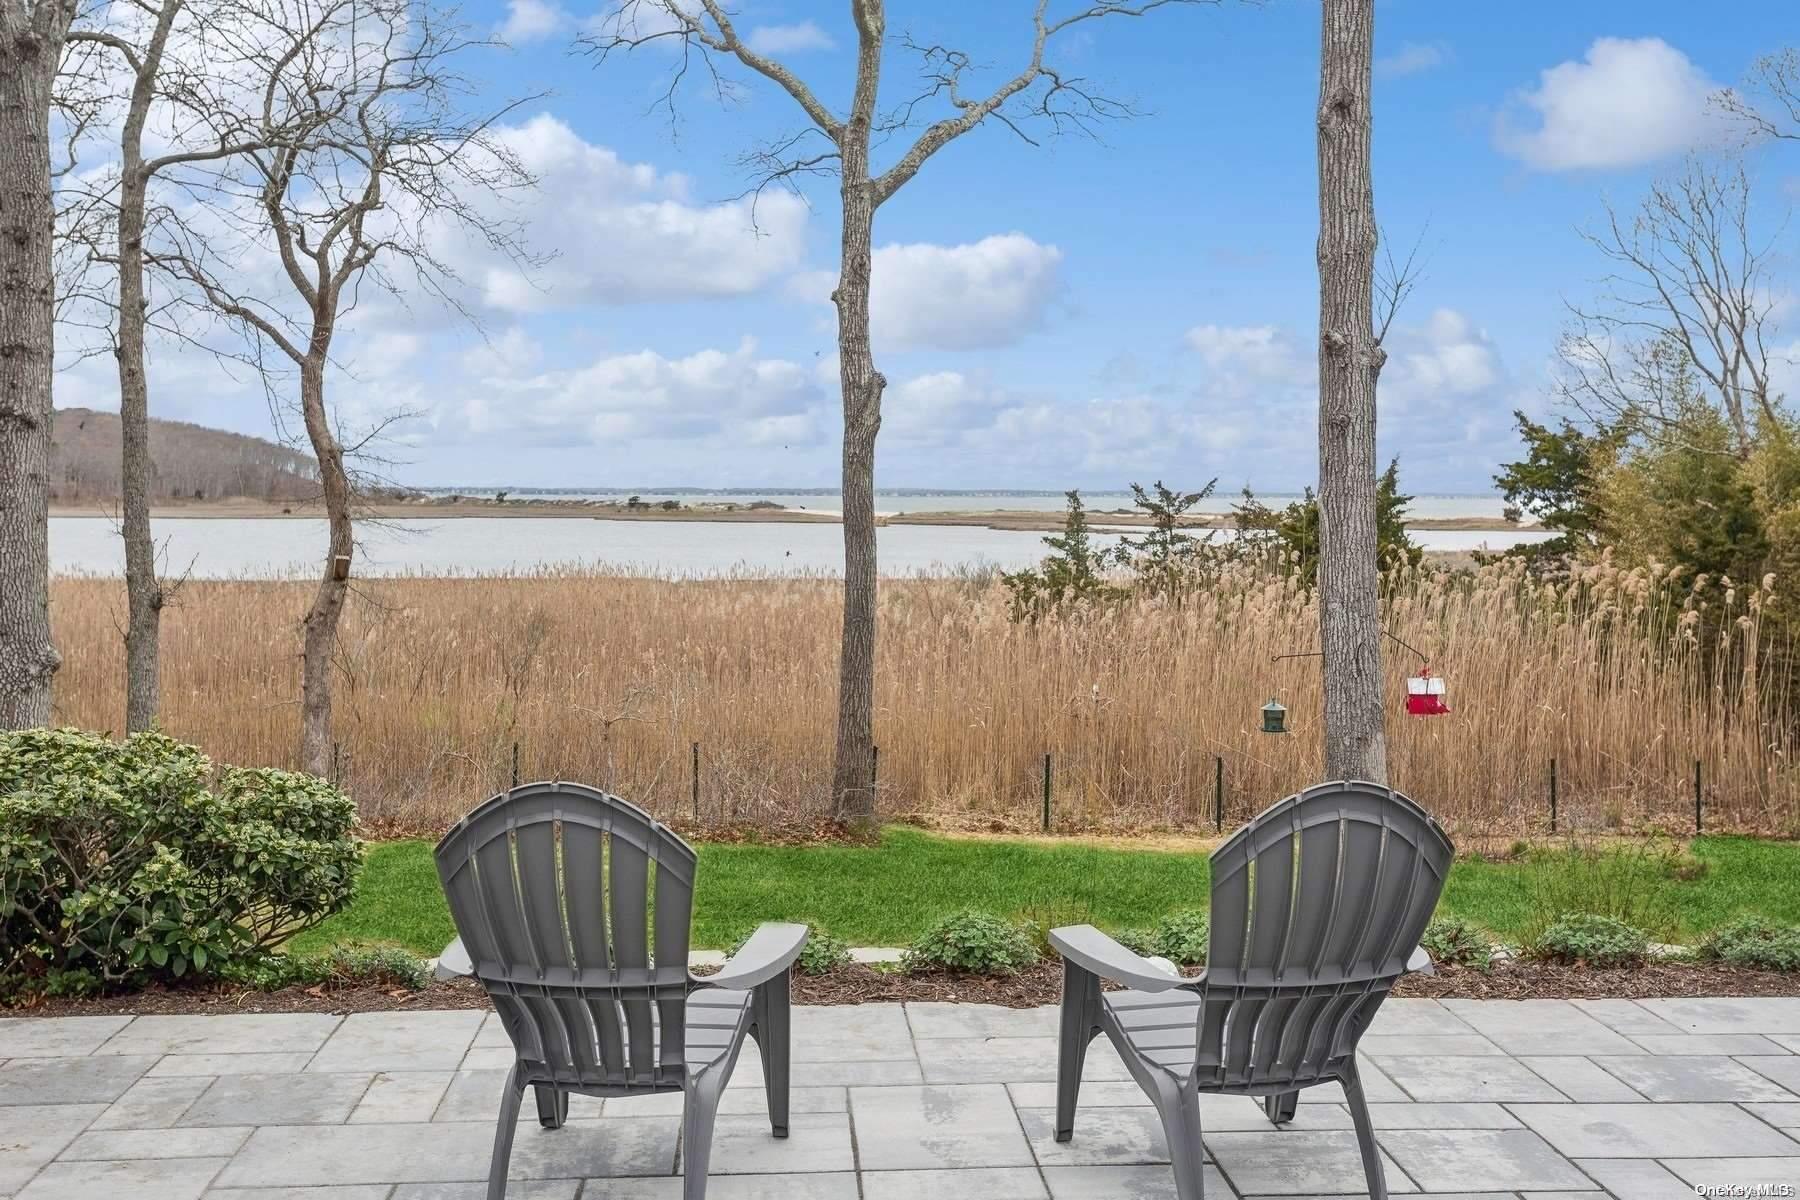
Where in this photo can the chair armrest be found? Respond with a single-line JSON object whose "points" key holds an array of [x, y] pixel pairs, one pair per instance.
{"points": [[453, 962], [1093, 951], [770, 951], [1421, 963]]}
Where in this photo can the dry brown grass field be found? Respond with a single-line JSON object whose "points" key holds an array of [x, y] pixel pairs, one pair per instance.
{"points": [[1623, 678]]}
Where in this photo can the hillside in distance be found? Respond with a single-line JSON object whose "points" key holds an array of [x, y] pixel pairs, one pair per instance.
{"points": [[188, 462]]}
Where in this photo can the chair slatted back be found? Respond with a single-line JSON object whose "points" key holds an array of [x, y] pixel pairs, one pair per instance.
{"points": [[1317, 905], [574, 907]]}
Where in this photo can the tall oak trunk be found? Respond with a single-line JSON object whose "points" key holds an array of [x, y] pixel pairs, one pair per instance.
{"points": [[1349, 361], [328, 602], [28, 658]]}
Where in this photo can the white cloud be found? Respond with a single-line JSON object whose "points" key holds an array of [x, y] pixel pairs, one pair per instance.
{"points": [[1628, 102], [938, 408], [790, 39], [515, 352], [969, 297], [735, 395], [625, 232], [1412, 58], [533, 20], [1249, 355], [1446, 357]]}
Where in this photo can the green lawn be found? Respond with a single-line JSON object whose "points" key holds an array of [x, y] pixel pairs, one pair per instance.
{"points": [[886, 894]]}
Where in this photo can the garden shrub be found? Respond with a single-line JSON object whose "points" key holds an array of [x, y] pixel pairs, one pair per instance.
{"points": [[821, 953], [1754, 942], [1040, 918], [120, 864], [1626, 882], [973, 941], [1181, 937], [342, 966], [1597, 940], [1453, 940]]}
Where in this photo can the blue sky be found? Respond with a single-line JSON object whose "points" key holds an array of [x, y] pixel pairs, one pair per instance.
{"points": [[1077, 313]]}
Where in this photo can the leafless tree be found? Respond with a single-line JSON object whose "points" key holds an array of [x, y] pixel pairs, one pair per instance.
{"points": [[1350, 362], [1689, 275], [1768, 105], [838, 143], [188, 87], [31, 47], [386, 167]]}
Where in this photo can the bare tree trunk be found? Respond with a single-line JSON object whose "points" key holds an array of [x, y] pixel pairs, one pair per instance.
{"points": [[852, 784], [853, 766], [28, 658], [328, 602], [1350, 359], [143, 591]]}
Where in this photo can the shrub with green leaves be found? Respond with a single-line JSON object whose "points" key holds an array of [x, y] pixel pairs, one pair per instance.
{"points": [[1462, 943], [1595, 940], [822, 951], [1039, 918], [129, 861], [342, 966], [1181, 937], [975, 942], [1754, 942]]}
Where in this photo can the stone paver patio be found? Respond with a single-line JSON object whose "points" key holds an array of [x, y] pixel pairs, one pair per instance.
{"points": [[1547, 1100]]}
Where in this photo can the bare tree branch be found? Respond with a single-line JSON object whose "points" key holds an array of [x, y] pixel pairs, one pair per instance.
{"points": [[1690, 276]]}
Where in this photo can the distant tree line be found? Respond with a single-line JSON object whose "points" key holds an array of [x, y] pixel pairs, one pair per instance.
{"points": [[188, 462]]}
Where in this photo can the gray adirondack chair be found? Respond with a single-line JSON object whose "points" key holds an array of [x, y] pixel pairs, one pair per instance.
{"points": [[573, 908], [1317, 908]]}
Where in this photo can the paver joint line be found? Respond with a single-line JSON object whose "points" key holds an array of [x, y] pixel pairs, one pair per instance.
{"points": [[1708, 1091]]}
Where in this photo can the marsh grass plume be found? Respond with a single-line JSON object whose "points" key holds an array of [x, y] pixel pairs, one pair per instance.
{"points": [[1625, 677]]}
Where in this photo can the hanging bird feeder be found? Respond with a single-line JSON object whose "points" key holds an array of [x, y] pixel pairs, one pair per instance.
{"points": [[1425, 695], [1274, 715]]}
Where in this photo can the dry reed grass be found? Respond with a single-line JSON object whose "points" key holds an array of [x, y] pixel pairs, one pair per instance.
{"points": [[611, 679]]}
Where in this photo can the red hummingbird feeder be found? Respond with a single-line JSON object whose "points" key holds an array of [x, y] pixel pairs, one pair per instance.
{"points": [[1425, 695]]}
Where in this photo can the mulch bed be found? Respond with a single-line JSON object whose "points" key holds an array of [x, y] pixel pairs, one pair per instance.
{"points": [[1521, 980], [1037, 985]]}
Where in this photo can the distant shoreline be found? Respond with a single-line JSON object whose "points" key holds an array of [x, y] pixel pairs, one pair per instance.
{"points": [[1025, 520]]}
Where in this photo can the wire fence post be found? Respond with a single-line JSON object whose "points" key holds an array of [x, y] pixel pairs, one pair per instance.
{"points": [[1218, 793], [1697, 795], [515, 775], [337, 775], [1046, 793], [694, 780], [874, 770], [1553, 795]]}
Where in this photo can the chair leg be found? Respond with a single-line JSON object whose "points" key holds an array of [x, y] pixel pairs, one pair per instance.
{"points": [[503, 1135], [1365, 1135], [1080, 1023], [1178, 1104], [697, 1118], [1281, 1106], [771, 1022], [552, 1105]]}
